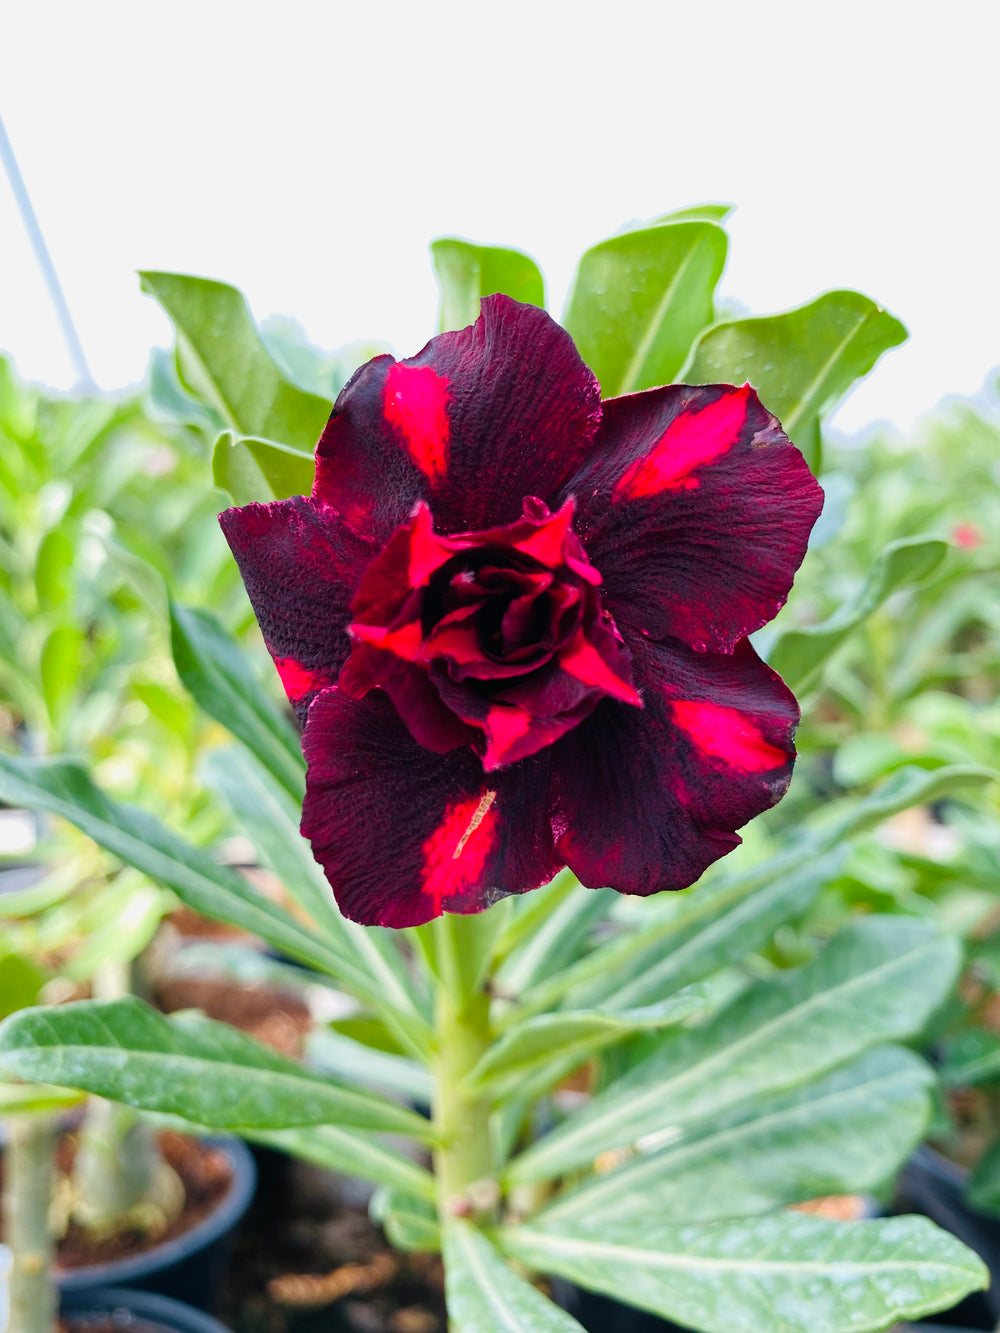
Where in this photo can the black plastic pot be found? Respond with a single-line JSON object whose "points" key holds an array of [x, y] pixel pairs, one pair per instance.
{"points": [[932, 1185], [188, 1268], [133, 1309]]}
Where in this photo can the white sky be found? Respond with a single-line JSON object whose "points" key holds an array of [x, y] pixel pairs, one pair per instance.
{"points": [[308, 152]]}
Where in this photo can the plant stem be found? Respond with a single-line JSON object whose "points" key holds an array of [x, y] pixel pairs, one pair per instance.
{"points": [[463, 1162], [27, 1193]]}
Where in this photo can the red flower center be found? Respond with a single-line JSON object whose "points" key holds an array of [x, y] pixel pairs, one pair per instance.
{"points": [[496, 638]]}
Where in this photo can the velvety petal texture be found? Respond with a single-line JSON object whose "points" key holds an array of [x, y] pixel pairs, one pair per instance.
{"points": [[478, 420], [301, 564], [403, 833], [697, 509], [645, 801], [514, 621]]}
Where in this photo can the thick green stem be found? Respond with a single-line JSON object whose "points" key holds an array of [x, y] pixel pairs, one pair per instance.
{"points": [[463, 1162], [119, 1176], [27, 1194]]}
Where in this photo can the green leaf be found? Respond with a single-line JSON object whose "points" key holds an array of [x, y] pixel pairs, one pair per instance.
{"points": [[845, 1133], [485, 1295], [190, 1066], [801, 363], [225, 362], [573, 1036], [554, 938], [342, 1056], [798, 655], [720, 923], [65, 789], [251, 469], [877, 980], [468, 272], [699, 213], [220, 678], [786, 1273], [983, 1188], [906, 787], [60, 667], [369, 958], [352, 1154], [21, 980], [971, 1058], [726, 924], [28, 1098], [53, 570], [410, 1224], [639, 300]]}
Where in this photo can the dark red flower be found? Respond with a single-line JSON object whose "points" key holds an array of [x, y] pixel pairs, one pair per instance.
{"points": [[514, 622]]}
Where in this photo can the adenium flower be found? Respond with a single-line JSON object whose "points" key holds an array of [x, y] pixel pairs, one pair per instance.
{"points": [[513, 620]]}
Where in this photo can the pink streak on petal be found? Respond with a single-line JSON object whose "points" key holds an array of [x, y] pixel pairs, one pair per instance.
{"points": [[415, 404], [457, 851], [727, 734], [691, 440]]}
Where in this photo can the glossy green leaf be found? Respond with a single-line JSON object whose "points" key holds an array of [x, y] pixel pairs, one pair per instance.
{"points": [[573, 1036], [485, 1295], [785, 1273], [227, 365], [801, 363], [410, 1224], [252, 469], [639, 300], [699, 213], [63, 788], [468, 272], [351, 1153], [218, 675], [877, 980], [798, 655], [845, 1133], [190, 1066]]}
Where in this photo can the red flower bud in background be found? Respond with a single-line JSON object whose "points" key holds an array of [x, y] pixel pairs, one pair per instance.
{"points": [[514, 622]]}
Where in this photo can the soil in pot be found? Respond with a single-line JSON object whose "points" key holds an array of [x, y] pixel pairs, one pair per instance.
{"points": [[309, 1260], [185, 1260], [276, 1017]]}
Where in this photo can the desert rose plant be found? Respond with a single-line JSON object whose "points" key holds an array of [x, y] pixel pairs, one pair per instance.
{"points": [[512, 620]]}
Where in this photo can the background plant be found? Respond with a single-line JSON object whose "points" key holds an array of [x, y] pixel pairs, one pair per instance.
{"points": [[725, 1083]]}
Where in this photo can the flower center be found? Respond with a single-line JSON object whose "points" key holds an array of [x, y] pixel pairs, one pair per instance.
{"points": [[496, 639]]}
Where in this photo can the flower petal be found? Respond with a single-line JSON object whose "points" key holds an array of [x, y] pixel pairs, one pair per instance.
{"points": [[479, 419], [696, 509], [647, 799], [301, 565], [404, 834]]}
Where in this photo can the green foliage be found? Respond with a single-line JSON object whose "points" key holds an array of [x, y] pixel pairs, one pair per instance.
{"points": [[639, 300], [468, 272], [744, 1274], [801, 363], [734, 1042]]}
